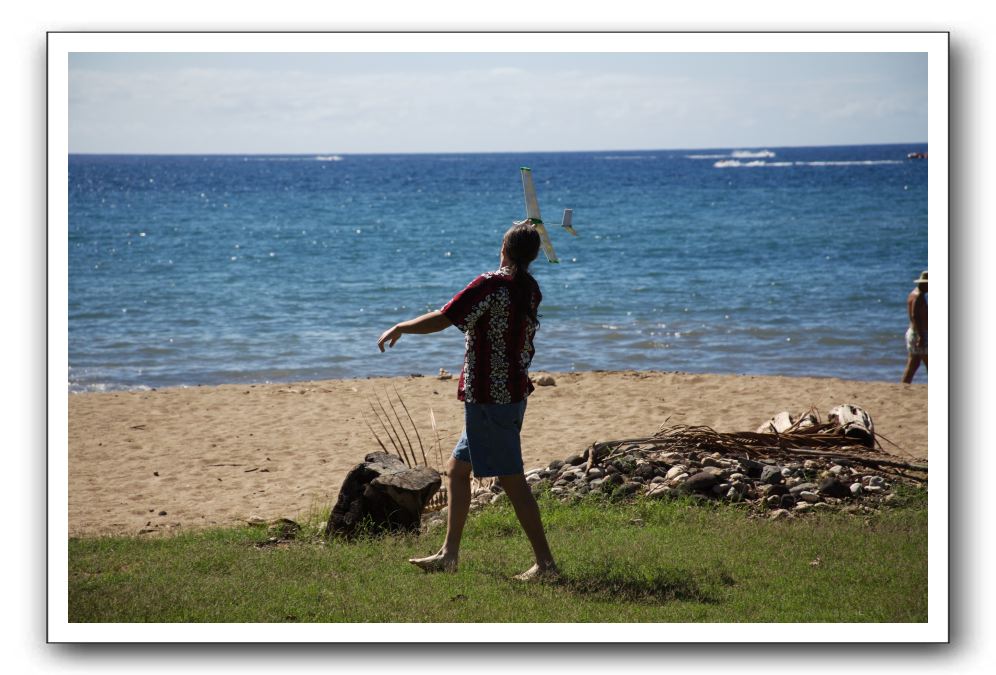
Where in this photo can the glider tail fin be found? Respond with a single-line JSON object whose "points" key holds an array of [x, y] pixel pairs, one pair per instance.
{"points": [[566, 224]]}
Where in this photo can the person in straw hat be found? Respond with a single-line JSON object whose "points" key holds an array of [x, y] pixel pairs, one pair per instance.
{"points": [[916, 334]]}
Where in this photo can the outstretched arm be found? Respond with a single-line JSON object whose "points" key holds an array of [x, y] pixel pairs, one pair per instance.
{"points": [[433, 322]]}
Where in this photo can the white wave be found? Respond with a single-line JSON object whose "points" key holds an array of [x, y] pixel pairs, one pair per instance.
{"points": [[706, 156], [751, 154], [328, 158], [855, 162], [735, 163]]}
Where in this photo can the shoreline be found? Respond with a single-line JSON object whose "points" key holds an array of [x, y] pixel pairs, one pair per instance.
{"points": [[140, 388], [182, 458]]}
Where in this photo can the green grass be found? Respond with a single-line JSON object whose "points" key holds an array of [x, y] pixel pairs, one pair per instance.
{"points": [[684, 563]]}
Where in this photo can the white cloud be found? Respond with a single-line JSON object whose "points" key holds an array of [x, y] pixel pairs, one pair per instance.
{"points": [[484, 109]]}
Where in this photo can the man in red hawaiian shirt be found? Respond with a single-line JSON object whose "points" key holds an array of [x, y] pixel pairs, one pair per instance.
{"points": [[497, 314]]}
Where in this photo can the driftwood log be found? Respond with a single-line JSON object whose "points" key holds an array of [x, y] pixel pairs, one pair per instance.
{"points": [[382, 495]]}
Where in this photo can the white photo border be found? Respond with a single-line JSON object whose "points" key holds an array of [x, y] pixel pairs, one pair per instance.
{"points": [[61, 44]]}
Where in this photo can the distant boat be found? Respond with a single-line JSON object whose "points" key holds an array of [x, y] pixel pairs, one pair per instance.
{"points": [[917, 155]]}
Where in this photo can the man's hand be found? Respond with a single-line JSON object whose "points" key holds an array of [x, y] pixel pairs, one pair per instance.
{"points": [[391, 334], [433, 322]]}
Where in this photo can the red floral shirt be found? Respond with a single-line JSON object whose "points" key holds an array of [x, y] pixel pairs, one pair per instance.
{"points": [[498, 336]]}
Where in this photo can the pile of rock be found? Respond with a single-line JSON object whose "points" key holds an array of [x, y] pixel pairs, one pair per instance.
{"points": [[796, 486], [780, 489]]}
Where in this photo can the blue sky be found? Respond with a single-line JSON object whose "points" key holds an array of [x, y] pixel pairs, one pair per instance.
{"points": [[483, 102]]}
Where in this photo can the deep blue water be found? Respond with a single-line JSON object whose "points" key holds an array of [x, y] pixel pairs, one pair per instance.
{"points": [[191, 270]]}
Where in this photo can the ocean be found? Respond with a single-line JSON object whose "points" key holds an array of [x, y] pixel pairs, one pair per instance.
{"points": [[191, 270]]}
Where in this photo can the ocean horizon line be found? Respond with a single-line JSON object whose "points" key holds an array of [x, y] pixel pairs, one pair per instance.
{"points": [[483, 152]]}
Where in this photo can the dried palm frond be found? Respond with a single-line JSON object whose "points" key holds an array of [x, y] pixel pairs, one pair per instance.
{"points": [[818, 441]]}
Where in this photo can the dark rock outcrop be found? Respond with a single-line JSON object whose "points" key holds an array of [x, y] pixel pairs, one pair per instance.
{"points": [[382, 495]]}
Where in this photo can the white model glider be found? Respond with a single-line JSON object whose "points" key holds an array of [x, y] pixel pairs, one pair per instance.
{"points": [[533, 215]]}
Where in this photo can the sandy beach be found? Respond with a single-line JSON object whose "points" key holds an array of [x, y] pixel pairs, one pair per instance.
{"points": [[188, 458]]}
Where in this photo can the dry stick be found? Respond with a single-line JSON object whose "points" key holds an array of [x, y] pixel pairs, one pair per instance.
{"points": [[408, 462], [435, 431], [373, 432], [389, 437], [908, 454], [394, 410], [417, 434]]}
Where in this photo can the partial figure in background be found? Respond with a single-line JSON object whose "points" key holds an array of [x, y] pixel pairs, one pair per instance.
{"points": [[916, 334]]}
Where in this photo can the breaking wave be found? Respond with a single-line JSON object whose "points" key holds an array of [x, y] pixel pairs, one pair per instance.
{"points": [[735, 163]]}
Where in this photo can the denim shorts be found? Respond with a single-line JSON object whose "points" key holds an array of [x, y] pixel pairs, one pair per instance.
{"points": [[490, 439]]}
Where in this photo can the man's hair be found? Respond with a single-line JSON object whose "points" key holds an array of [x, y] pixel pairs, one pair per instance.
{"points": [[521, 245]]}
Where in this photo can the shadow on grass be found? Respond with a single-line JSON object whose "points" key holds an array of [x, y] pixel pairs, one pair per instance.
{"points": [[655, 585]]}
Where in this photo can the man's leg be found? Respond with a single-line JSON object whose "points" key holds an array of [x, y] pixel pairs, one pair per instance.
{"points": [[457, 508], [527, 512], [912, 363]]}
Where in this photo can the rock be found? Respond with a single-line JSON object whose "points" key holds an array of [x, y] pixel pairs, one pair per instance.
{"points": [[595, 484], [737, 477], [776, 424], [821, 506], [873, 489], [443, 375], [532, 478], [680, 478], [255, 521], [612, 480], [776, 490], [656, 480], [594, 472], [832, 487], [808, 420], [711, 461], [659, 491], [856, 490], [574, 460], [540, 486], [772, 475], [751, 468], [779, 514], [675, 471], [645, 471], [803, 487], [703, 481], [787, 501], [285, 528], [629, 488], [385, 493], [714, 470], [773, 501], [556, 464], [545, 381], [836, 469], [802, 507], [810, 497], [854, 423]]}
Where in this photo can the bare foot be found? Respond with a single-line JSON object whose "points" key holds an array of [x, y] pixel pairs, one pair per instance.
{"points": [[539, 573], [435, 563]]}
